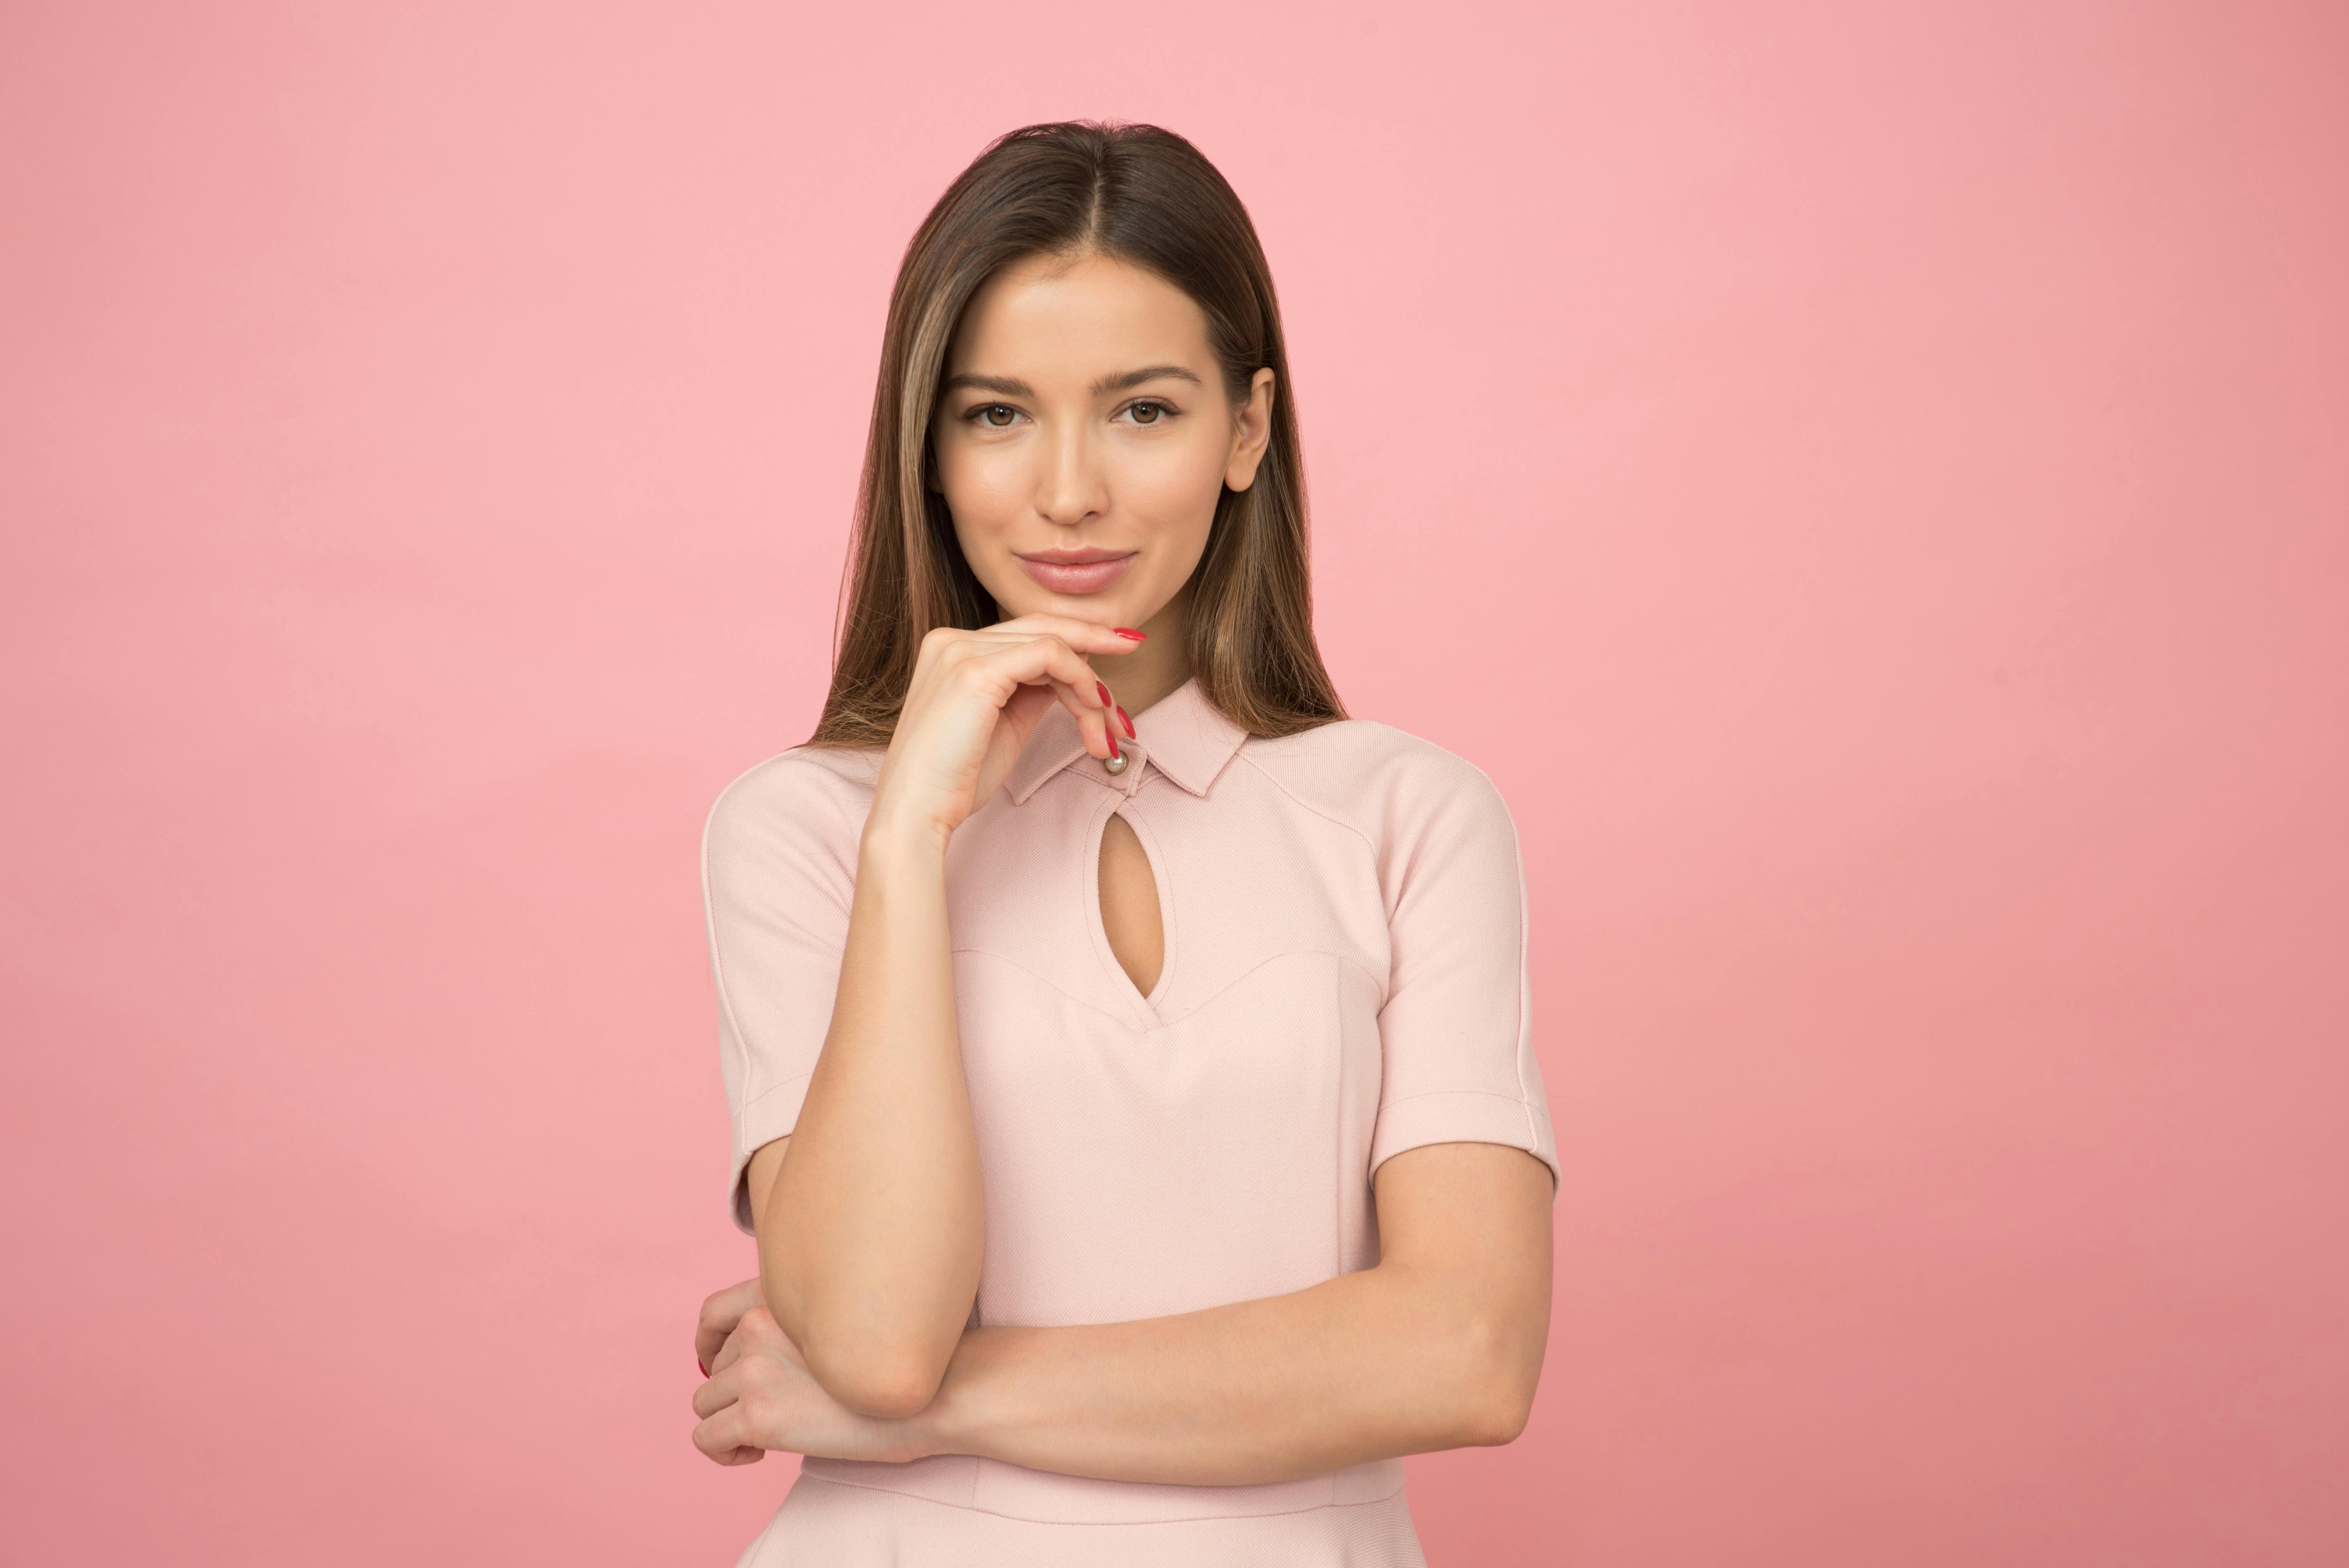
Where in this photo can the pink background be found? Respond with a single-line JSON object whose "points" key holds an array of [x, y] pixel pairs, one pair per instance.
{"points": [[1870, 482]]}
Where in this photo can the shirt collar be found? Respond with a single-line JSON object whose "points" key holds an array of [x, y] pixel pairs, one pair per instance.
{"points": [[1183, 735]]}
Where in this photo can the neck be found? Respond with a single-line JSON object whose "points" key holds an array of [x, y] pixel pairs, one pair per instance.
{"points": [[1162, 662]]}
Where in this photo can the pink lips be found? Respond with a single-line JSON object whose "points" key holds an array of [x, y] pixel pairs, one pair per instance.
{"points": [[1077, 571]]}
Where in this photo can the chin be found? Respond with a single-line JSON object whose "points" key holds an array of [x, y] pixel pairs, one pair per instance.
{"points": [[1101, 607]]}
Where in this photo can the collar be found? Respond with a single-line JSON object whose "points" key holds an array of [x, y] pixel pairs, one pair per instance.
{"points": [[1182, 735]]}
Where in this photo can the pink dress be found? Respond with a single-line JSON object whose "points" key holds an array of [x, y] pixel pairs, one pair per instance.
{"points": [[1344, 979]]}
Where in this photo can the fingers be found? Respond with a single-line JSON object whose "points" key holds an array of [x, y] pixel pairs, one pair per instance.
{"points": [[716, 1392], [763, 1396], [724, 1385], [992, 666], [719, 1313], [1087, 639], [975, 698], [724, 1433], [756, 1331], [1049, 660], [1089, 636], [724, 1438]]}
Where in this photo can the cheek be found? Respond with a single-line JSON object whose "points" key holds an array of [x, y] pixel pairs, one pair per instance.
{"points": [[1174, 484], [987, 487]]}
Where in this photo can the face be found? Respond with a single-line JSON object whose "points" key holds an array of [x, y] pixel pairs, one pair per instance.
{"points": [[1084, 436]]}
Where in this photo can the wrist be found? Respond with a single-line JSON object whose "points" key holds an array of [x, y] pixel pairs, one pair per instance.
{"points": [[899, 1440], [892, 842], [950, 1423]]}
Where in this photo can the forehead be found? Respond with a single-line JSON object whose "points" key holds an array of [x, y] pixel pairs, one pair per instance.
{"points": [[1081, 316]]}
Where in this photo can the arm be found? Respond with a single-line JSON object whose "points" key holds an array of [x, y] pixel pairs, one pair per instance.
{"points": [[872, 1226], [1440, 1346], [870, 1232]]}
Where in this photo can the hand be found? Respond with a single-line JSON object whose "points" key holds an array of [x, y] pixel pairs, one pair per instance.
{"points": [[974, 699], [719, 1313], [761, 1396]]}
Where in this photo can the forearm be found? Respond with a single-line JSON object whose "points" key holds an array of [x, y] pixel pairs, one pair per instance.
{"points": [[871, 1238], [1368, 1365]]}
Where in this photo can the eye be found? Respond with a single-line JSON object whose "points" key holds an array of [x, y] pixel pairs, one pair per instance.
{"points": [[997, 415], [1149, 413]]}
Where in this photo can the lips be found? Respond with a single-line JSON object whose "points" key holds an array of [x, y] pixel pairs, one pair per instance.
{"points": [[1077, 571]]}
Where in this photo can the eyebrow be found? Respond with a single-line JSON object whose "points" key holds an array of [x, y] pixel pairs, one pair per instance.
{"points": [[1011, 387], [1003, 384], [1133, 379]]}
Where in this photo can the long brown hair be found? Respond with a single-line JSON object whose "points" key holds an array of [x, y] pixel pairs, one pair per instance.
{"points": [[1142, 195]]}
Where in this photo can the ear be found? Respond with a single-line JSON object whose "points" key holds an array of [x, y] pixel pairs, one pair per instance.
{"points": [[1251, 431]]}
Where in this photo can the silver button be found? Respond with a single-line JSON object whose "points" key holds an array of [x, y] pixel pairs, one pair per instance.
{"points": [[1113, 765]]}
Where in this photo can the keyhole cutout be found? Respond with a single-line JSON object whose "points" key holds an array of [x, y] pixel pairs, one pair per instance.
{"points": [[1129, 905]]}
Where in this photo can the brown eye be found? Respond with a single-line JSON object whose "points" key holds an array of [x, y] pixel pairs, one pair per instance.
{"points": [[999, 415], [1147, 413]]}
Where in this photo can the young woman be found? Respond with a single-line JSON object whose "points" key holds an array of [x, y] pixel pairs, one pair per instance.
{"points": [[1128, 1053]]}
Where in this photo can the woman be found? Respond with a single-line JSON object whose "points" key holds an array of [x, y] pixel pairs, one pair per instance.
{"points": [[1128, 1052]]}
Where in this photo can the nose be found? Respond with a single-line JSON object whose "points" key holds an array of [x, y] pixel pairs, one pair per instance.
{"points": [[1073, 489]]}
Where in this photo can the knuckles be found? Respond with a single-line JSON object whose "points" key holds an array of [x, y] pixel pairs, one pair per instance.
{"points": [[721, 1308], [959, 657], [946, 646]]}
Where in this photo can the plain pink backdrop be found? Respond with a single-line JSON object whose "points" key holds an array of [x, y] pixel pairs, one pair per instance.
{"points": [[1870, 482]]}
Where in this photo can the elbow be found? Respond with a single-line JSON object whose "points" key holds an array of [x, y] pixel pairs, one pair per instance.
{"points": [[883, 1382], [887, 1393], [868, 1371], [1498, 1373], [1498, 1416]]}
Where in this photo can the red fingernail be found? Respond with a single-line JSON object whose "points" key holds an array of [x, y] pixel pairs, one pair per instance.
{"points": [[1112, 747], [1104, 691], [1126, 721], [704, 1366], [1127, 632]]}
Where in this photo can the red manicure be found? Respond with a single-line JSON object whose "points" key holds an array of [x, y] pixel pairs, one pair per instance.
{"points": [[1104, 691], [1112, 747], [1126, 721], [1127, 632], [704, 1366]]}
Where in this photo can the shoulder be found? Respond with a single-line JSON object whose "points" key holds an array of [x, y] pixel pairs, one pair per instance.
{"points": [[1383, 782], [810, 798]]}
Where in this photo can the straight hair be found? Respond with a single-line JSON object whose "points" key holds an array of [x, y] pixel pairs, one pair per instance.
{"points": [[1137, 194]]}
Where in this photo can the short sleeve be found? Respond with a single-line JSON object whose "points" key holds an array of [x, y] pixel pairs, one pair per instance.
{"points": [[777, 873], [1456, 1030]]}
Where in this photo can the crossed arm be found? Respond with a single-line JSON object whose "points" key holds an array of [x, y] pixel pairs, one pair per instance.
{"points": [[1439, 1345], [855, 1340]]}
